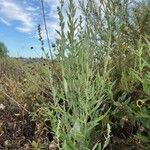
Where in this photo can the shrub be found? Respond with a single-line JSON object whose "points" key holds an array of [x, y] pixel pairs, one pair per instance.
{"points": [[100, 73], [3, 50]]}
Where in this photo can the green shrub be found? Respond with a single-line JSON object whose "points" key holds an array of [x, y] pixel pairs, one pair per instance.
{"points": [[3, 50], [103, 59]]}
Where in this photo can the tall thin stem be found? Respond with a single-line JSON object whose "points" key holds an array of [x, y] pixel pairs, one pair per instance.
{"points": [[45, 25]]}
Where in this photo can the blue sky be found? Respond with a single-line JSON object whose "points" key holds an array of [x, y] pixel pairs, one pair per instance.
{"points": [[18, 25]]}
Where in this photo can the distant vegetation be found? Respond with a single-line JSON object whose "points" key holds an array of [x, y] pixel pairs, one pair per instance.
{"points": [[3, 50], [97, 97]]}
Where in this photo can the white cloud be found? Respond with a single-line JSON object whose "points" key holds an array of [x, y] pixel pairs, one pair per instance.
{"points": [[53, 27], [52, 19], [14, 12], [31, 9], [52, 2], [52, 12], [4, 21], [25, 15]]}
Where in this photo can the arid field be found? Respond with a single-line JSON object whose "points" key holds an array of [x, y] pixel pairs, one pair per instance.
{"points": [[90, 91]]}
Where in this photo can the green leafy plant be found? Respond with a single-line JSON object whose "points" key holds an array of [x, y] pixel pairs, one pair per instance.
{"points": [[98, 60]]}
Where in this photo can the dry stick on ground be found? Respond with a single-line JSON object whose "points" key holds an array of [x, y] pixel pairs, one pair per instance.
{"points": [[18, 104], [12, 99]]}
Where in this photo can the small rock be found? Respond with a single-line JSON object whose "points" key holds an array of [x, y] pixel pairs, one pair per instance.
{"points": [[2, 107], [6, 143], [53, 146], [26, 147]]}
